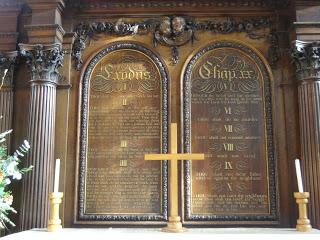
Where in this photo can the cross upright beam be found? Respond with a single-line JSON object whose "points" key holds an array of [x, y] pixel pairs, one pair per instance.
{"points": [[174, 224]]}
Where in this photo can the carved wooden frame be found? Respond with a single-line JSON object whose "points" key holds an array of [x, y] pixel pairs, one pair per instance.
{"points": [[187, 217], [80, 217]]}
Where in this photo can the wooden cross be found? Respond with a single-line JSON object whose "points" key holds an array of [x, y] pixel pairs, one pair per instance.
{"points": [[174, 224]]}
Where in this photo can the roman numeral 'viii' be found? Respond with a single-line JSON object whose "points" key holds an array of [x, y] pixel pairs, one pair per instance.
{"points": [[229, 147]]}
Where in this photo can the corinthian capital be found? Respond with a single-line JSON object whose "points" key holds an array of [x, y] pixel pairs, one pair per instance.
{"points": [[43, 60], [306, 56], [7, 62]]}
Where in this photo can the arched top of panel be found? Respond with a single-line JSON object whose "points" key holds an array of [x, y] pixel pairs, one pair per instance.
{"points": [[127, 52], [225, 54]]}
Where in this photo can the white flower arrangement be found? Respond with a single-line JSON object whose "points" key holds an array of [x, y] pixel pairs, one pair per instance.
{"points": [[9, 169]]}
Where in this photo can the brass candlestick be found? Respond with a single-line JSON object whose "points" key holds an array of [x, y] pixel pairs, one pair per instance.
{"points": [[54, 221], [303, 223]]}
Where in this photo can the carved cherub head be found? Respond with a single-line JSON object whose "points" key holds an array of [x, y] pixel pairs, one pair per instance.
{"points": [[165, 26], [175, 26], [178, 25]]}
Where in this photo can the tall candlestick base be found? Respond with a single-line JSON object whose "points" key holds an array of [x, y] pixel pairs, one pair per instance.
{"points": [[174, 225], [54, 221], [303, 223]]}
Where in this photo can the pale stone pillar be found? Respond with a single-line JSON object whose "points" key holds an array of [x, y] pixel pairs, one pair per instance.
{"points": [[307, 59], [7, 62], [44, 61]]}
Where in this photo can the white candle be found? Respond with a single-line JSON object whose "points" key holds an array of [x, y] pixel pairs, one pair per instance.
{"points": [[3, 77], [56, 176], [5, 73], [299, 178]]}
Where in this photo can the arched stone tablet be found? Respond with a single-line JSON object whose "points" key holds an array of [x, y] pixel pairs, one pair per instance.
{"points": [[227, 114], [124, 114]]}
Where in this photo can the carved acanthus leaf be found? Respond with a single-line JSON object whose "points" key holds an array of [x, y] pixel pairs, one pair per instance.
{"points": [[7, 62], [43, 60], [306, 56]]}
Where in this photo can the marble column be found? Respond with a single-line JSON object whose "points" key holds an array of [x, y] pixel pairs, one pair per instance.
{"points": [[306, 56], [44, 61], [7, 63]]}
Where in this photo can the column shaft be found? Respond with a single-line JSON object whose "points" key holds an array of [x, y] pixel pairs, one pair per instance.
{"points": [[38, 183], [309, 111], [44, 61], [6, 106], [307, 59]]}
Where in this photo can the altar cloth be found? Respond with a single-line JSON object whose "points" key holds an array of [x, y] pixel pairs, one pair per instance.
{"points": [[155, 234]]}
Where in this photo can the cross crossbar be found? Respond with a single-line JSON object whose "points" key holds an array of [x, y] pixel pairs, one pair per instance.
{"points": [[178, 156]]}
